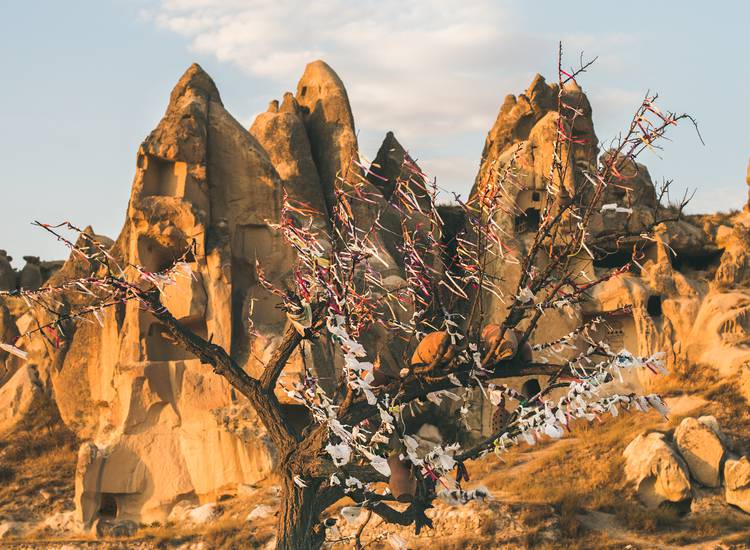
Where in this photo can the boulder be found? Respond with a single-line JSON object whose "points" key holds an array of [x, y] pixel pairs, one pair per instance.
{"points": [[702, 449], [737, 482], [106, 528], [204, 514], [260, 512], [658, 473]]}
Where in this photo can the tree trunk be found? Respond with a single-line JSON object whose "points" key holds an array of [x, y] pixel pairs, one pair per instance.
{"points": [[299, 524]]}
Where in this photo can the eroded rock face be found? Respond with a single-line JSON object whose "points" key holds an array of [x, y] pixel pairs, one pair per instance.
{"points": [[18, 397], [734, 267], [8, 333], [158, 420], [329, 122], [201, 178], [658, 473], [161, 428], [737, 482], [687, 297], [525, 130], [281, 131], [702, 449]]}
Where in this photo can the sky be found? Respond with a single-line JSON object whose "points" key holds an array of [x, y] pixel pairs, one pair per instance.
{"points": [[85, 81]]}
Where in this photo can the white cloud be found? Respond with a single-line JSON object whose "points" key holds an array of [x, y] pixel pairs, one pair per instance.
{"points": [[434, 71]]}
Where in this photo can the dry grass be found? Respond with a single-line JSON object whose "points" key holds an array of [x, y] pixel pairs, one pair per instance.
{"points": [[223, 534], [42, 458], [586, 472]]}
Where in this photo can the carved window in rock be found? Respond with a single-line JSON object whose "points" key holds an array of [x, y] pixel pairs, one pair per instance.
{"points": [[528, 222], [164, 178], [653, 305], [529, 204], [531, 388], [618, 330], [621, 333]]}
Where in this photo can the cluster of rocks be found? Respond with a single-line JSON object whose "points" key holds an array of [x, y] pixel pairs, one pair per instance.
{"points": [[664, 469], [31, 277]]}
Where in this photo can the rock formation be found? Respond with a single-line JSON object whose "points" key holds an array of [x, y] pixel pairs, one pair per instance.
{"points": [[688, 295], [125, 388], [329, 122], [281, 131], [737, 482], [160, 429], [19, 396], [658, 473], [200, 178], [30, 277], [7, 275], [702, 450]]}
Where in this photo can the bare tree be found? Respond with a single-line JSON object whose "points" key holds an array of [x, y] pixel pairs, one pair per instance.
{"points": [[357, 437]]}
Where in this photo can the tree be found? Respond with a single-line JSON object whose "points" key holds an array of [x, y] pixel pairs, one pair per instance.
{"points": [[454, 285]]}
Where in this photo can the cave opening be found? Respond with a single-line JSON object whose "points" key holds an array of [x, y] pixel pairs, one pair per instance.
{"points": [[615, 260], [682, 261], [653, 305], [530, 389], [528, 221], [108, 506]]}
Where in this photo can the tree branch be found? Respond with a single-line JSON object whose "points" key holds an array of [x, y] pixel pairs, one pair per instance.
{"points": [[269, 377], [267, 407]]}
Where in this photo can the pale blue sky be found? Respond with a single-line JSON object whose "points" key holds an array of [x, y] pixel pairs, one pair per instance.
{"points": [[85, 81]]}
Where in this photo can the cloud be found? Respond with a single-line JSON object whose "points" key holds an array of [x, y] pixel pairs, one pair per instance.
{"points": [[433, 71]]}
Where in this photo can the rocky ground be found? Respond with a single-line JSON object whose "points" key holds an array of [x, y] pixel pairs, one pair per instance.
{"points": [[571, 493]]}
